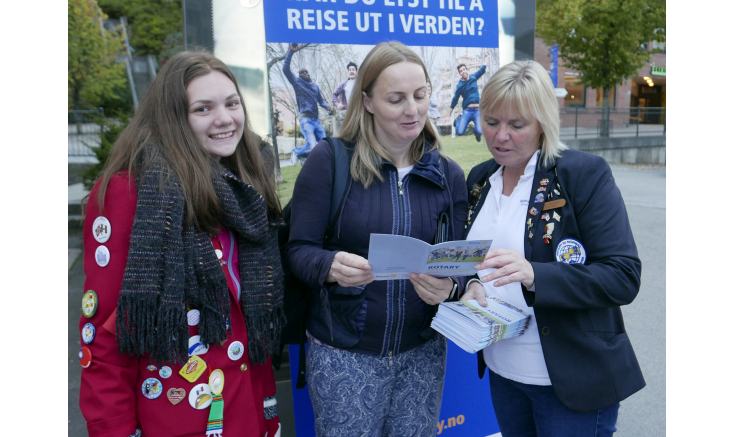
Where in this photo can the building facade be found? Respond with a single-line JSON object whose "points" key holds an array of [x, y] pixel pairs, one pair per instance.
{"points": [[646, 90]]}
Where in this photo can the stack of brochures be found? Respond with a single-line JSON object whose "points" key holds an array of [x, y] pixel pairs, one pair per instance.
{"points": [[472, 326]]}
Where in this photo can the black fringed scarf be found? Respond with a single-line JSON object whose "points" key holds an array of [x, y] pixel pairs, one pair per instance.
{"points": [[169, 267]]}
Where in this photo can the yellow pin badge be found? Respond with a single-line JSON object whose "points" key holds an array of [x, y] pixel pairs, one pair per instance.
{"points": [[193, 369]]}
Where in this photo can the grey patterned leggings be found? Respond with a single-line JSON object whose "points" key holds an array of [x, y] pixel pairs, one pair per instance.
{"points": [[364, 395]]}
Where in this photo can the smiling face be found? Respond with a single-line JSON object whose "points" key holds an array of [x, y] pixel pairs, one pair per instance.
{"points": [[511, 138], [399, 103], [215, 113], [463, 72], [351, 72]]}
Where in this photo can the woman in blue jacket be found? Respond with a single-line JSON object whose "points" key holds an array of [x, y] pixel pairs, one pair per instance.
{"points": [[564, 252], [374, 366]]}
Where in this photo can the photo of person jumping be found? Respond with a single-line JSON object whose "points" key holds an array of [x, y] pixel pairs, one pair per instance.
{"points": [[467, 89], [308, 98], [341, 95]]}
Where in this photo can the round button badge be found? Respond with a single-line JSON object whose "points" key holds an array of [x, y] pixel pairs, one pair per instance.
{"points": [[193, 317], [152, 388], [236, 350], [102, 256], [101, 229], [196, 347], [200, 396], [165, 372], [88, 333], [85, 357], [89, 303]]}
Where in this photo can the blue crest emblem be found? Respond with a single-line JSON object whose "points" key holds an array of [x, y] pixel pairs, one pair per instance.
{"points": [[571, 251], [539, 198]]}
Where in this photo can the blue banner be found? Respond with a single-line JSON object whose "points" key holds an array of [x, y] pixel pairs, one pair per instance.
{"points": [[467, 408], [440, 23], [555, 66]]}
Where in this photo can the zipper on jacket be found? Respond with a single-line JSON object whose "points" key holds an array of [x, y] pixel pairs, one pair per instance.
{"points": [[397, 300]]}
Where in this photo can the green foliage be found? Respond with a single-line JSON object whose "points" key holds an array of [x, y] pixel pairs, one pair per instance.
{"points": [[294, 131], [151, 22], [173, 44], [93, 74], [111, 129], [602, 39]]}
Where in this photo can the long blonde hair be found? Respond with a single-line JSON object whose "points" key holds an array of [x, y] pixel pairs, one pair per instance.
{"points": [[359, 127], [160, 131], [525, 88]]}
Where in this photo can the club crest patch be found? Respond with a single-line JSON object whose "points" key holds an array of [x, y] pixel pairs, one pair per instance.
{"points": [[571, 251]]}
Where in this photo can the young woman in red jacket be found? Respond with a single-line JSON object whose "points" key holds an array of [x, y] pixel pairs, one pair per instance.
{"points": [[184, 287]]}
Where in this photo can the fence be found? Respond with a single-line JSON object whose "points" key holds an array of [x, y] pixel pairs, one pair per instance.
{"points": [[622, 122], [84, 128]]}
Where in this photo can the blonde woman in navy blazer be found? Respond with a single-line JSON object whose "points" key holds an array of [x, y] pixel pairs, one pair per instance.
{"points": [[574, 265]]}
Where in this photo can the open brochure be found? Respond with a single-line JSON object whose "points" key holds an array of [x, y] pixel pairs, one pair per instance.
{"points": [[396, 257], [472, 327]]}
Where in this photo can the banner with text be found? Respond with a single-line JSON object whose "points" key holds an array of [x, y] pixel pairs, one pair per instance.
{"points": [[458, 23]]}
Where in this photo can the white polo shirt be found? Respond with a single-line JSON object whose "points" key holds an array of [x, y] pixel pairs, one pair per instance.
{"points": [[503, 220]]}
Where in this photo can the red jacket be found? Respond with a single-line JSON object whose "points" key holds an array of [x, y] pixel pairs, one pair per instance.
{"points": [[111, 396]]}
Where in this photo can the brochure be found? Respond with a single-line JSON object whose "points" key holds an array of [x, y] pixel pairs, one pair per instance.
{"points": [[397, 256], [472, 327]]}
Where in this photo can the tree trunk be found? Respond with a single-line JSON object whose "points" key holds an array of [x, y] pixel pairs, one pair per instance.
{"points": [[274, 136], [277, 171], [605, 122], [77, 101]]}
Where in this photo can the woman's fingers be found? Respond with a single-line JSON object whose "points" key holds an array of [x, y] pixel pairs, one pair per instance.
{"points": [[477, 292], [352, 260], [511, 267], [350, 270], [430, 289]]}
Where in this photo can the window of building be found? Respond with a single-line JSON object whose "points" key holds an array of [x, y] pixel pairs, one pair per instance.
{"points": [[576, 93], [613, 93]]}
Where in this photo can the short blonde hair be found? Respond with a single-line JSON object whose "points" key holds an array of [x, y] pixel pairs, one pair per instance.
{"points": [[525, 88], [359, 127]]}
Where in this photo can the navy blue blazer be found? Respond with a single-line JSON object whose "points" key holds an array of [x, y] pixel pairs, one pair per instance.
{"points": [[589, 357]]}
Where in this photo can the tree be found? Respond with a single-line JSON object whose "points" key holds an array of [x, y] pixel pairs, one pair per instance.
{"points": [[151, 21], [93, 73], [605, 40]]}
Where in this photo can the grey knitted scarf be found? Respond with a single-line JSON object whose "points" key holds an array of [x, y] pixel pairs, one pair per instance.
{"points": [[170, 267]]}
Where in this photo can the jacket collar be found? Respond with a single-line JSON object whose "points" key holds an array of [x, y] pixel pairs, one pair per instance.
{"points": [[429, 166]]}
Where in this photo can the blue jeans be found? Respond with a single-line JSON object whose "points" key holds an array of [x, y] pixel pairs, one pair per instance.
{"points": [[313, 132], [525, 410], [364, 395], [467, 115]]}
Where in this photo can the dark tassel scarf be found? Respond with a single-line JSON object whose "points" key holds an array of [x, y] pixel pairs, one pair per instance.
{"points": [[169, 267]]}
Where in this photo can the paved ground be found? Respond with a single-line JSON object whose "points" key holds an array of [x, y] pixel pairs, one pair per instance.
{"points": [[643, 414], [644, 191]]}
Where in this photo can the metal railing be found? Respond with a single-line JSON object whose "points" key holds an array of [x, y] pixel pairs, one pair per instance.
{"points": [[622, 122], [84, 130]]}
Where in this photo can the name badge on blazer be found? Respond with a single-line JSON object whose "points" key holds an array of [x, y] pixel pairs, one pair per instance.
{"points": [[554, 204]]}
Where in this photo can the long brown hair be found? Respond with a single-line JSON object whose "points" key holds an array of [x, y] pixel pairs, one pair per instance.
{"points": [[160, 131], [359, 127]]}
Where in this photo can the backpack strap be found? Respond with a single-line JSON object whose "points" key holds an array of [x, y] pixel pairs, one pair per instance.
{"points": [[341, 183], [341, 180]]}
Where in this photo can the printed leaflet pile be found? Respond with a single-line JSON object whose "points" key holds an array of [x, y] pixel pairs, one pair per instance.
{"points": [[472, 326]]}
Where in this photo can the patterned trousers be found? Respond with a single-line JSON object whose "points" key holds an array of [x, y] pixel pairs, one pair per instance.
{"points": [[364, 395]]}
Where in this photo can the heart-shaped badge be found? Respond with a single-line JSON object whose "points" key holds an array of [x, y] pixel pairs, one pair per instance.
{"points": [[175, 395]]}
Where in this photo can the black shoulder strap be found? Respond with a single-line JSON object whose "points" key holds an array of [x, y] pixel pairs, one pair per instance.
{"points": [[341, 178]]}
